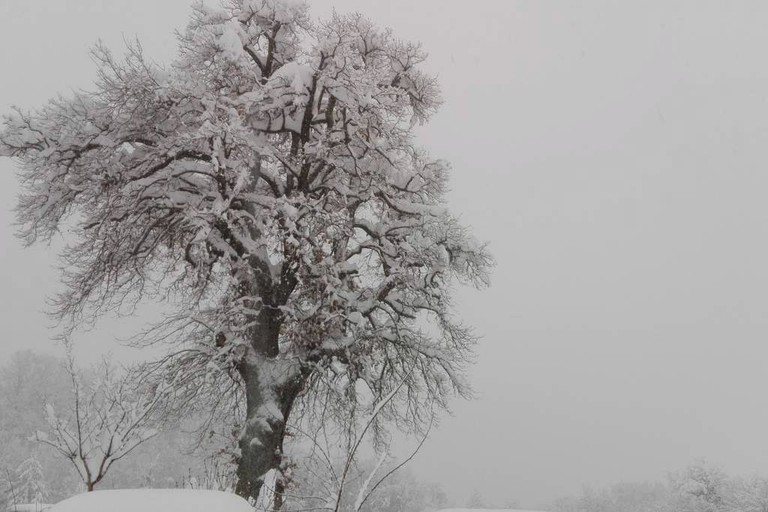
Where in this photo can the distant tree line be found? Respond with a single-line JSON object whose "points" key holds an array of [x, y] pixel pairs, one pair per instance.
{"points": [[701, 487]]}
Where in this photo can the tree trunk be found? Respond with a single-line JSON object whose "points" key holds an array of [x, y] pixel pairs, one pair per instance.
{"points": [[271, 388]]}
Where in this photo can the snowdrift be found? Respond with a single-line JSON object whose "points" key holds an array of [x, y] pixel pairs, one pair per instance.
{"points": [[153, 500]]}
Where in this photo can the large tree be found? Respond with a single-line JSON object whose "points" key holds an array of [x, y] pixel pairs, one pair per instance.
{"points": [[268, 181]]}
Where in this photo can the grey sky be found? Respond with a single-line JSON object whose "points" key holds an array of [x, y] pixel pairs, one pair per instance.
{"points": [[612, 153]]}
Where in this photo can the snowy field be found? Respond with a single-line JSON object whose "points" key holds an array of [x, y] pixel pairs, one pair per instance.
{"points": [[484, 510], [165, 500]]}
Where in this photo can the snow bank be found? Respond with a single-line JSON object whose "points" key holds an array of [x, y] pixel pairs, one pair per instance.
{"points": [[153, 500]]}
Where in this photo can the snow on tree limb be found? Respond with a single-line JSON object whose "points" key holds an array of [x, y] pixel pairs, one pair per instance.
{"points": [[109, 419]]}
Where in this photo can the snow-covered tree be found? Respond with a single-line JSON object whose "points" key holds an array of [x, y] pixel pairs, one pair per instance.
{"points": [[30, 486], [701, 487], [27, 380], [749, 495], [269, 183], [475, 500], [110, 417]]}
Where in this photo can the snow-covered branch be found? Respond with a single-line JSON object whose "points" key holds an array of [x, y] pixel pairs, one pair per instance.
{"points": [[110, 417]]}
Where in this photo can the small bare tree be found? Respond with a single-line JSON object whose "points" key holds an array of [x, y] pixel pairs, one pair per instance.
{"points": [[110, 417], [340, 482]]}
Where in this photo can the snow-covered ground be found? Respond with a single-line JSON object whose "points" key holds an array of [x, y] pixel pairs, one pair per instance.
{"points": [[153, 500], [484, 510]]}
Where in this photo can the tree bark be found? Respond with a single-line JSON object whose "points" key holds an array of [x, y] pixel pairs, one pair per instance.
{"points": [[261, 443], [261, 440]]}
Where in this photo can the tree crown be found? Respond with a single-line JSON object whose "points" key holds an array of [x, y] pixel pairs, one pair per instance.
{"points": [[271, 168]]}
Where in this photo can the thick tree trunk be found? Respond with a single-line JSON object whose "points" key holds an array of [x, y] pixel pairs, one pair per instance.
{"points": [[261, 444], [261, 441], [271, 388]]}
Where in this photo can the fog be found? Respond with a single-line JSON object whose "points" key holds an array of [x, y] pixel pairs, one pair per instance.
{"points": [[612, 154]]}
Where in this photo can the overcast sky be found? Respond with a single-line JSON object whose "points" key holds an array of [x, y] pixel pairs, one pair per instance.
{"points": [[614, 156]]}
